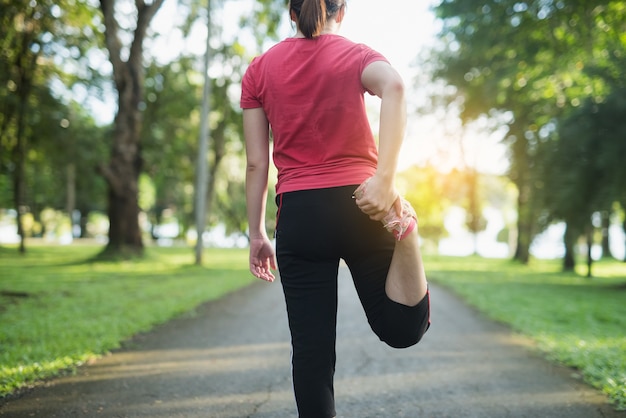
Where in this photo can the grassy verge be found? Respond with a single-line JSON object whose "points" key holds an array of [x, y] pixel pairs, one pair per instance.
{"points": [[58, 309], [577, 321]]}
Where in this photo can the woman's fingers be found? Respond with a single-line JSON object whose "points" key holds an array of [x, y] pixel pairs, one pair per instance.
{"points": [[262, 273]]}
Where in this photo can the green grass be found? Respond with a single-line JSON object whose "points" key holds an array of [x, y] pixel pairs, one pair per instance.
{"points": [[58, 309], [574, 320]]}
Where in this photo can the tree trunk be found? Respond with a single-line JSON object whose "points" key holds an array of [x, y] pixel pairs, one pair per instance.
{"points": [[70, 200], [589, 235], [569, 241], [520, 175], [123, 212], [25, 66], [606, 223], [82, 222], [18, 177], [122, 175], [624, 229], [524, 225], [474, 207]]}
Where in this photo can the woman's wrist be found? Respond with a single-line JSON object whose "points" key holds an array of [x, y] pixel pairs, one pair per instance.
{"points": [[386, 175], [258, 235]]}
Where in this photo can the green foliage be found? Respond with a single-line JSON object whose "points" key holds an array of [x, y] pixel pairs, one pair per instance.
{"points": [[43, 48], [575, 321], [58, 309], [170, 134], [538, 64], [40, 42], [146, 192]]}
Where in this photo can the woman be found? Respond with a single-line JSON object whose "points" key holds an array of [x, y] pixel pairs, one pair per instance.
{"points": [[335, 193]]}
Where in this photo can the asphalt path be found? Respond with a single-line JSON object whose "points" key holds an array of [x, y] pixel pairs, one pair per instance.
{"points": [[230, 359]]}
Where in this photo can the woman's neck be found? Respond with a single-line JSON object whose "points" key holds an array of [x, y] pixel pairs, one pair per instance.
{"points": [[331, 28]]}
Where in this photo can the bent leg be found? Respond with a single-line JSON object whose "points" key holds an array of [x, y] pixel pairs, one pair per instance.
{"points": [[390, 280], [406, 281], [403, 326], [396, 324]]}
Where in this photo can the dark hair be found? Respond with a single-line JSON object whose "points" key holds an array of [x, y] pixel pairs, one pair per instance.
{"points": [[313, 14]]}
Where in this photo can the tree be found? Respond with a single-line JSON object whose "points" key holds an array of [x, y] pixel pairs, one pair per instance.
{"points": [[125, 164]]}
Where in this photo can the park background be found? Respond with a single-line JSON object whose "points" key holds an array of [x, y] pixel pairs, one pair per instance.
{"points": [[515, 146]]}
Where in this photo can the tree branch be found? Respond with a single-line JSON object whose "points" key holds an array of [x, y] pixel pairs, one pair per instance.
{"points": [[112, 41], [145, 13]]}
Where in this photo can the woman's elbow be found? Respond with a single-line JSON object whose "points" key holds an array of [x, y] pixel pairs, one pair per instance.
{"points": [[257, 166], [394, 87]]}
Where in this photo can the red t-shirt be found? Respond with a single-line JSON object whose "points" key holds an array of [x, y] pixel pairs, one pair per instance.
{"points": [[311, 92]]}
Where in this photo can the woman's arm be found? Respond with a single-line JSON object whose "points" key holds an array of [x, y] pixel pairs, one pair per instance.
{"points": [[383, 80], [256, 134]]}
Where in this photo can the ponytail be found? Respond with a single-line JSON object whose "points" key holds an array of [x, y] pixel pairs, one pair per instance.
{"points": [[312, 17], [313, 14]]}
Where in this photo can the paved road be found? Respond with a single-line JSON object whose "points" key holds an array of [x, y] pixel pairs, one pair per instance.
{"points": [[231, 360]]}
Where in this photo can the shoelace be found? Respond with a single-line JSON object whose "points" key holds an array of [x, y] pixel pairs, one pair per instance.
{"points": [[399, 225], [396, 225]]}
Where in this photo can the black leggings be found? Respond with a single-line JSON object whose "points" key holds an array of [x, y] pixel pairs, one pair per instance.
{"points": [[315, 229]]}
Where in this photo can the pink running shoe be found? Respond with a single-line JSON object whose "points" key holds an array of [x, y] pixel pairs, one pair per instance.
{"points": [[399, 226]]}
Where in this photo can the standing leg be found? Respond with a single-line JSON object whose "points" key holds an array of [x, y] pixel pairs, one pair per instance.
{"points": [[311, 297], [308, 265]]}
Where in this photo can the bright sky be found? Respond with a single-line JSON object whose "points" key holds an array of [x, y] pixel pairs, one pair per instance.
{"points": [[397, 29]]}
